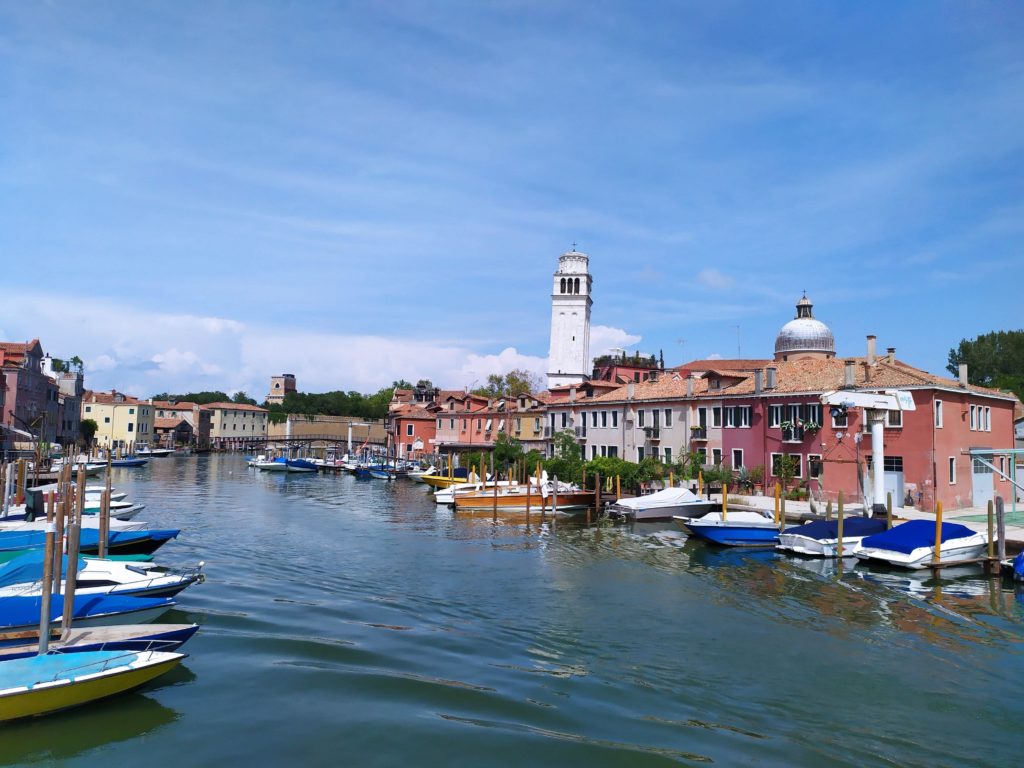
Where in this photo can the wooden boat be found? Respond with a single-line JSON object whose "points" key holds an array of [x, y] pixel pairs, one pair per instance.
{"points": [[21, 613], [661, 505], [43, 684], [119, 637], [740, 528], [820, 538], [912, 544], [514, 498], [447, 495]]}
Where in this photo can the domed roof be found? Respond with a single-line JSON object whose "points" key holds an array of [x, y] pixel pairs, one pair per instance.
{"points": [[805, 334]]}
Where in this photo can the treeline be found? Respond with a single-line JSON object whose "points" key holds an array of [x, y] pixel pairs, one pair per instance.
{"points": [[373, 406], [205, 398], [993, 359]]}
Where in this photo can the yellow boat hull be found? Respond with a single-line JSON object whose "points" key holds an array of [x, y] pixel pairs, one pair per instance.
{"points": [[442, 481], [45, 698]]}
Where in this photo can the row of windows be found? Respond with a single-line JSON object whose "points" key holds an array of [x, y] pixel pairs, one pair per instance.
{"points": [[981, 418]]}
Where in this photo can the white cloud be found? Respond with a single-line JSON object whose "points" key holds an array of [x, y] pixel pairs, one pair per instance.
{"points": [[712, 278], [604, 338], [714, 356], [178, 353]]}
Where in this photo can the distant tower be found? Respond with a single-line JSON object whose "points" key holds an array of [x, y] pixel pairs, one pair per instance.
{"points": [[804, 336], [569, 360], [280, 386]]}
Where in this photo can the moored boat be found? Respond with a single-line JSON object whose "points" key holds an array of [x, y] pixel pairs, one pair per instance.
{"points": [[117, 637], [739, 528], [129, 461], [661, 505], [23, 576], [820, 538], [300, 465], [43, 684], [20, 613], [912, 545], [516, 499]]}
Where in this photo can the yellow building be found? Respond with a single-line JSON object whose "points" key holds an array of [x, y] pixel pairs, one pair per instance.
{"points": [[122, 421], [232, 423]]}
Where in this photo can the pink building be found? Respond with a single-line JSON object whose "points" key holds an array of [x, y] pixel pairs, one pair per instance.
{"points": [[32, 398]]}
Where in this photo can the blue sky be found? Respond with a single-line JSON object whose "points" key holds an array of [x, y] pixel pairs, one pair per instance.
{"points": [[198, 195]]}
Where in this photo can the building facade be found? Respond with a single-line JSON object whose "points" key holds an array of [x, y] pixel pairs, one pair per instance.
{"points": [[279, 387], [232, 424], [198, 418], [122, 421], [32, 397]]}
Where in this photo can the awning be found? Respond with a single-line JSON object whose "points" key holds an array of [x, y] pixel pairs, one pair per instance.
{"points": [[16, 431]]}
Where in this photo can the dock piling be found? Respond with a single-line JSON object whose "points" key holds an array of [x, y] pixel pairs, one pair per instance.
{"points": [[937, 553], [991, 522], [839, 529], [888, 510], [1001, 528]]}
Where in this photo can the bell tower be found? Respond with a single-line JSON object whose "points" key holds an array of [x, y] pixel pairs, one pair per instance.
{"points": [[569, 358]]}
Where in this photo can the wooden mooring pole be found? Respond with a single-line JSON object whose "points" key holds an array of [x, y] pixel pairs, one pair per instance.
{"points": [[937, 551], [888, 510], [839, 529], [1001, 528]]}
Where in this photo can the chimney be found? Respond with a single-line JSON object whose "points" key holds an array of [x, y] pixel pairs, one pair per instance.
{"points": [[871, 349], [890, 355], [770, 377], [758, 374], [630, 387], [689, 385], [963, 375], [849, 373], [572, 394]]}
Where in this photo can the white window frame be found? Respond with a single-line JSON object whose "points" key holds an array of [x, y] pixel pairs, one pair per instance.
{"points": [[888, 419], [735, 452], [974, 416], [938, 414], [615, 419], [668, 417], [716, 462], [744, 416], [728, 417], [988, 419], [716, 416], [775, 415], [408, 430], [952, 470], [667, 455]]}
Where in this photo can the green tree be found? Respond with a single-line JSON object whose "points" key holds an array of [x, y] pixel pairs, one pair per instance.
{"points": [[87, 429], [567, 463], [242, 398], [516, 382], [785, 469], [507, 450], [993, 359]]}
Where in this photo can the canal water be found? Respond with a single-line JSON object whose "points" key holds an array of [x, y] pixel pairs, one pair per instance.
{"points": [[350, 622]]}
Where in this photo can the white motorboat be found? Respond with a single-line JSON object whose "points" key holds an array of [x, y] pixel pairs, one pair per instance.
{"points": [[912, 545], [22, 577], [662, 505], [17, 522], [820, 538], [272, 465], [417, 474]]}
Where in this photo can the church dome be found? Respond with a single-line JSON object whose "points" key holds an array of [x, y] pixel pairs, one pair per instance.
{"points": [[804, 336]]}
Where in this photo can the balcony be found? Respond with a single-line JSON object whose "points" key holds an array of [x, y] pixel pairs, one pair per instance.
{"points": [[792, 434], [698, 433], [547, 431], [581, 433], [652, 433]]}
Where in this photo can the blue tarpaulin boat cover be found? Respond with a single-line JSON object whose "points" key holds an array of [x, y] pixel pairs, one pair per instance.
{"points": [[911, 535], [829, 529], [90, 538], [29, 568], [24, 610]]}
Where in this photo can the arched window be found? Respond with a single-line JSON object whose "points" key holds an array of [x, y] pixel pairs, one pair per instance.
{"points": [[563, 285], [576, 285]]}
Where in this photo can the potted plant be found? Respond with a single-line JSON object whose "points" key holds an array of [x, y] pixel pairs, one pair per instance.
{"points": [[756, 475]]}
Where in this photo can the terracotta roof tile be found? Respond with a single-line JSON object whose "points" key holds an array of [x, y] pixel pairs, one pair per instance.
{"points": [[233, 407]]}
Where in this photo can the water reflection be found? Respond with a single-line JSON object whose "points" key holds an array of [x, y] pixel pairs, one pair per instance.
{"points": [[78, 731]]}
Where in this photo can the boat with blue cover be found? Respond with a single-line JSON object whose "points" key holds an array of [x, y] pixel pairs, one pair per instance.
{"points": [[21, 613], [23, 575], [740, 528], [118, 637], [820, 538], [142, 542], [300, 465], [912, 544], [44, 684]]}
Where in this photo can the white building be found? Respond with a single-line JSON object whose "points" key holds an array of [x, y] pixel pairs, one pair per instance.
{"points": [[569, 358]]}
